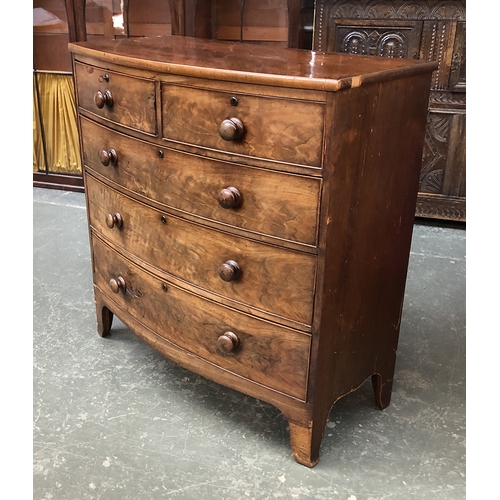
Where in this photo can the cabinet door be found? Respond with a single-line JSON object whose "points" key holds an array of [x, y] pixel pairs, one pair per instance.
{"points": [[387, 38]]}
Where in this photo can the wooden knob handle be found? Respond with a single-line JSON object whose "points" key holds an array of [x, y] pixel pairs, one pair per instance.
{"points": [[229, 271], [102, 99], [231, 129], [228, 341], [108, 157], [229, 197], [114, 220], [117, 284]]}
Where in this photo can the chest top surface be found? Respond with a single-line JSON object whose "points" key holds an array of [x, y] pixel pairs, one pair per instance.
{"points": [[249, 63]]}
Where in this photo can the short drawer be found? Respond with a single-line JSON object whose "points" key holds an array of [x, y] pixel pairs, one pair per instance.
{"points": [[283, 130], [263, 201], [265, 277], [127, 100], [260, 351]]}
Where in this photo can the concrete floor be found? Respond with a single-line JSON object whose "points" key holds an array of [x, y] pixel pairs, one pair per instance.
{"points": [[114, 420]]}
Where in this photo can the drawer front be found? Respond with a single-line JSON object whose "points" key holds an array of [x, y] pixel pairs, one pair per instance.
{"points": [[260, 351], [267, 202], [275, 129], [265, 277], [127, 100]]}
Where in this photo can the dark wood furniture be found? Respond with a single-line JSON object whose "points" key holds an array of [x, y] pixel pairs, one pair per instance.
{"points": [[251, 211], [213, 19], [432, 30], [185, 17]]}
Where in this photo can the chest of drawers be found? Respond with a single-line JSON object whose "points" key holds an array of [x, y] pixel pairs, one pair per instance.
{"points": [[251, 210]]}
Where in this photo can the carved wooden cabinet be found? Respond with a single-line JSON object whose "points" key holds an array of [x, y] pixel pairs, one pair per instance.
{"points": [[251, 211], [432, 30]]}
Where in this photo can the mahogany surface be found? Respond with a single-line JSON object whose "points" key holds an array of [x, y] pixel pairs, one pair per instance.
{"points": [[272, 261]]}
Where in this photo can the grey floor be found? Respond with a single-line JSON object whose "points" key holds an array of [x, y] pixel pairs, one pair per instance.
{"points": [[114, 420]]}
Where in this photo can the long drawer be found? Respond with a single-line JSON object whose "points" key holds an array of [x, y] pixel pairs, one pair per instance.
{"points": [[261, 351], [258, 126], [266, 277], [269, 202], [127, 100]]}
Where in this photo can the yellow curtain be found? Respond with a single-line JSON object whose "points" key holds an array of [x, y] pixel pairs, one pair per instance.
{"points": [[38, 158], [57, 108]]}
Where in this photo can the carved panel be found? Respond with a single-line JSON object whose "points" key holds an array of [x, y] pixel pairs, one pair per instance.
{"points": [[457, 74], [437, 138], [454, 183], [398, 39], [423, 29], [417, 10]]}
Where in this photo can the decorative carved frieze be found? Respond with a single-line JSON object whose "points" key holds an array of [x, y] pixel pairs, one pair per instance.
{"points": [[452, 100], [400, 40], [441, 207], [399, 9]]}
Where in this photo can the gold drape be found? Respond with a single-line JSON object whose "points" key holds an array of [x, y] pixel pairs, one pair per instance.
{"points": [[57, 109], [38, 157]]}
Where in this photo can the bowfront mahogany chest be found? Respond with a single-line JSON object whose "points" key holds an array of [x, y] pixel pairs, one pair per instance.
{"points": [[251, 211]]}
